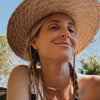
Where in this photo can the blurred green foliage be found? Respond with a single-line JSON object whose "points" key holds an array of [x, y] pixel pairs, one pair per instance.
{"points": [[90, 66], [5, 56]]}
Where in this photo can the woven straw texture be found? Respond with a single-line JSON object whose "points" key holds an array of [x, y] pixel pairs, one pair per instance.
{"points": [[86, 14]]}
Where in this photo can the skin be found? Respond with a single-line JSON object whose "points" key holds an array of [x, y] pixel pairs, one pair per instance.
{"points": [[54, 56]]}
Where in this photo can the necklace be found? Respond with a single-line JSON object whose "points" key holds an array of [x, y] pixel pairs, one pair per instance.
{"points": [[48, 87]]}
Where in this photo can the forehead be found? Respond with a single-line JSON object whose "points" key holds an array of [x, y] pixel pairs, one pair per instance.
{"points": [[59, 17]]}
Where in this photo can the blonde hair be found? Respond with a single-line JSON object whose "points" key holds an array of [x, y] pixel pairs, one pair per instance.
{"points": [[33, 54], [74, 80]]}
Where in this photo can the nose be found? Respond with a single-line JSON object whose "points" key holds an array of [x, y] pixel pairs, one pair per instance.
{"points": [[64, 34]]}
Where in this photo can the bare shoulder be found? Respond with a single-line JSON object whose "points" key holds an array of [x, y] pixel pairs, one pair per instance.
{"points": [[89, 87], [21, 69], [18, 83], [20, 72]]}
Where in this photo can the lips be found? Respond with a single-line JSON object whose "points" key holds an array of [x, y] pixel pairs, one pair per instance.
{"points": [[63, 43]]}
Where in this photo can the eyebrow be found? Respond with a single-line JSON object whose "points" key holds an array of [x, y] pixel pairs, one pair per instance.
{"points": [[58, 21]]}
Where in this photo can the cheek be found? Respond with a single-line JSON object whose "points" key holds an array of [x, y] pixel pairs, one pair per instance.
{"points": [[45, 42], [49, 37]]}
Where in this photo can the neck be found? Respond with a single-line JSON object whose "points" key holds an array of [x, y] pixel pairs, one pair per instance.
{"points": [[58, 95], [56, 75]]}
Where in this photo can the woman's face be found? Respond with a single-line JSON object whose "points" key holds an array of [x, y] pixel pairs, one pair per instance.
{"points": [[57, 38]]}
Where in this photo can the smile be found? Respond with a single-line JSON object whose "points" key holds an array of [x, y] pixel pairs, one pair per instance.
{"points": [[64, 44]]}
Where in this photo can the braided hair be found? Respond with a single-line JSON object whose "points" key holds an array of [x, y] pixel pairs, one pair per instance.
{"points": [[74, 80]]}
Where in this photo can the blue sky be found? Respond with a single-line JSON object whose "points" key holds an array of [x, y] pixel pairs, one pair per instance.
{"points": [[6, 9], [8, 6]]}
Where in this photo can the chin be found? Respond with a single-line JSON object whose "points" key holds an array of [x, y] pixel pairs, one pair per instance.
{"points": [[67, 56]]}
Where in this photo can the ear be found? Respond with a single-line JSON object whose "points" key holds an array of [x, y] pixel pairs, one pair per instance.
{"points": [[33, 43]]}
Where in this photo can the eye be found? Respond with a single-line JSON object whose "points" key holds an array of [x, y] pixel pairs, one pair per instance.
{"points": [[71, 31], [54, 27]]}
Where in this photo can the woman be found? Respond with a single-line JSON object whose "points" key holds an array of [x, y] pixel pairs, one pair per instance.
{"points": [[45, 33]]}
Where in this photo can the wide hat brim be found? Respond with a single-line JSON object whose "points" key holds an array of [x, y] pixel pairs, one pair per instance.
{"points": [[29, 12]]}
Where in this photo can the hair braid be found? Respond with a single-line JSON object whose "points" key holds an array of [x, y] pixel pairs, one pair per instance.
{"points": [[75, 81], [32, 57], [35, 56]]}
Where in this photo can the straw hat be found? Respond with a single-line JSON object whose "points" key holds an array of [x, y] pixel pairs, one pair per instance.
{"points": [[29, 12]]}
